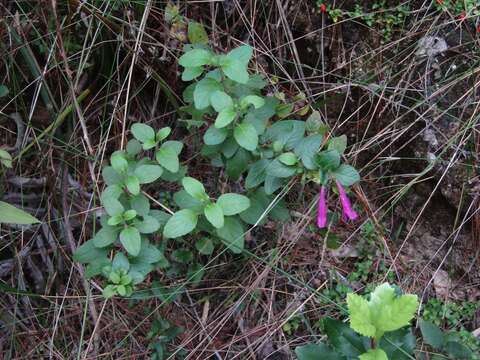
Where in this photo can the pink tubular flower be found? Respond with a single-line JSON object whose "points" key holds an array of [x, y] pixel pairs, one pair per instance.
{"points": [[322, 209], [347, 210]]}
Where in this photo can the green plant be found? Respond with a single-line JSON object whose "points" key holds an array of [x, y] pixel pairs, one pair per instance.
{"points": [[459, 8], [10, 214], [240, 139], [160, 335], [448, 314], [449, 343], [378, 329]]}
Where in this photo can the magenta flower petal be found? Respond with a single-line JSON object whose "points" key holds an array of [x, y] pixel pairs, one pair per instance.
{"points": [[347, 210], [322, 209]]}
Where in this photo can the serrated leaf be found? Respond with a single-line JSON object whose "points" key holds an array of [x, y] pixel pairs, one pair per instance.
{"points": [[111, 177], [328, 160], [457, 350], [214, 214], [344, 339], [360, 318], [134, 147], [246, 136], [120, 262], [195, 57], [113, 206], [255, 100], [234, 64], [10, 214], [238, 164], [130, 240], [181, 223], [163, 133], [140, 204], [374, 354]]}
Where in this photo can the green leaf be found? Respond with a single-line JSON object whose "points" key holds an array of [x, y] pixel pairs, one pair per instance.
{"points": [[119, 163], [5, 158], [143, 133], [183, 256], [328, 160], [234, 64], [288, 132], [181, 223], [163, 133], [214, 214], [140, 204], [203, 91], [257, 173], [96, 267], [272, 184], [346, 175], [134, 147], [148, 254], [195, 57], [109, 291], [130, 239], [191, 73], [113, 206], [10, 214], [344, 339], [457, 350], [279, 170], [316, 352], [3, 91], [197, 33], [225, 117], [215, 136], [88, 252], [204, 246], [233, 204], [399, 344], [120, 262], [360, 317], [168, 158], [384, 312], [246, 136], [195, 188], [307, 149], [338, 143], [221, 100], [175, 146], [148, 225], [238, 164], [186, 201], [115, 220], [255, 100], [133, 185], [432, 334], [288, 158], [106, 236], [232, 235], [111, 177], [148, 173], [374, 354]]}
